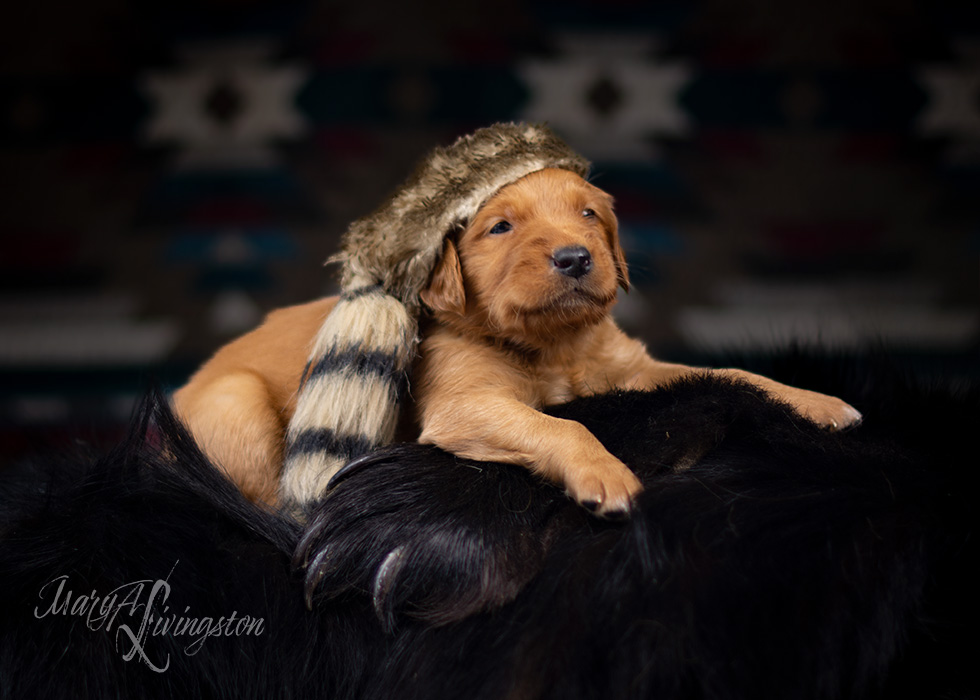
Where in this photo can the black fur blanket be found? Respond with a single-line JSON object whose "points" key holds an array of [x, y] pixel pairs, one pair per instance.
{"points": [[767, 559]]}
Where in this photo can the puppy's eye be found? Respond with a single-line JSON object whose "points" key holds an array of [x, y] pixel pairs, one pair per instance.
{"points": [[501, 227], [588, 213]]}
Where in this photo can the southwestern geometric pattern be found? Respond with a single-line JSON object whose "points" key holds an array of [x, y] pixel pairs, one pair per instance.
{"points": [[783, 171]]}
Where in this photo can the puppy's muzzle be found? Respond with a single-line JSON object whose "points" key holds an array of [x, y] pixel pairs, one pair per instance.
{"points": [[574, 261]]}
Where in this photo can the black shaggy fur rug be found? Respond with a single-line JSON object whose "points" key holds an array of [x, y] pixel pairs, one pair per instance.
{"points": [[766, 559]]}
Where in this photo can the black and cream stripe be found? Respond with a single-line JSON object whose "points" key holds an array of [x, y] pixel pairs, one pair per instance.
{"points": [[349, 400]]}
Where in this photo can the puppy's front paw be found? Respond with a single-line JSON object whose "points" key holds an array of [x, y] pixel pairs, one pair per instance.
{"points": [[605, 487], [826, 411]]}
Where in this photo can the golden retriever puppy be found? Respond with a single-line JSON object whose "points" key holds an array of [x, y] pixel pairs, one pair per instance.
{"points": [[519, 319]]}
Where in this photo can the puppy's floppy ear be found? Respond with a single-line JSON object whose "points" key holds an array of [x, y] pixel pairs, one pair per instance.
{"points": [[445, 291], [612, 235]]}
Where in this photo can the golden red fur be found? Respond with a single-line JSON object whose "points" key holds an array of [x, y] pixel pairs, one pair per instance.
{"points": [[519, 320]]}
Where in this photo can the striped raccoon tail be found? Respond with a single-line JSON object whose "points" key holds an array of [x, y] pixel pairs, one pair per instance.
{"points": [[348, 402]]}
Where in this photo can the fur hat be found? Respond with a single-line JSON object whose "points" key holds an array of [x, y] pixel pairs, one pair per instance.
{"points": [[348, 401]]}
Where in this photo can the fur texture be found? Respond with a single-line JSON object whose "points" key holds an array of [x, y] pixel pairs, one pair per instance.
{"points": [[387, 259], [782, 562]]}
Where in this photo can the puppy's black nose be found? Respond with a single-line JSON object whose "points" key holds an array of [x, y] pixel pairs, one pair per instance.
{"points": [[574, 261]]}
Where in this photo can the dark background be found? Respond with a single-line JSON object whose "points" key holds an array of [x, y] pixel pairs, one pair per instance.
{"points": [[785, 172]]}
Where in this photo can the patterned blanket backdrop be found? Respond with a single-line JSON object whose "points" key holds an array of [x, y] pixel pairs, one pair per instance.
{"points": [[784, 172]]}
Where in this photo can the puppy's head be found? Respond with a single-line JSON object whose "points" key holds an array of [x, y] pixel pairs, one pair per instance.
{"points": [[540, 259]]}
